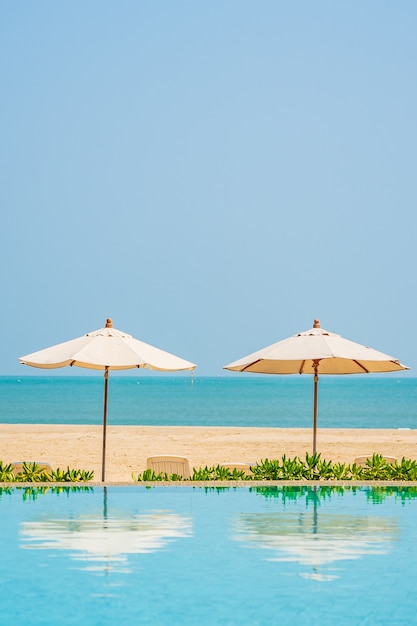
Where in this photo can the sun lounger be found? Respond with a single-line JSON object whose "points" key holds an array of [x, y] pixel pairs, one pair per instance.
{"points": [[169, 465], [239, 466], [361, 460], [17, 466]]}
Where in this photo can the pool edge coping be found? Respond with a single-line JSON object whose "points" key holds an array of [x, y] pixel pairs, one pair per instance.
{"points": [[221, 483]]}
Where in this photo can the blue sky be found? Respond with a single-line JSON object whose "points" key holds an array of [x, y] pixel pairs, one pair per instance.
{"points": [[211, 175]]}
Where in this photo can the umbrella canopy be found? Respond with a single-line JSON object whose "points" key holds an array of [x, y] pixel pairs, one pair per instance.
{"points": [[316, 351], [106, 349]]}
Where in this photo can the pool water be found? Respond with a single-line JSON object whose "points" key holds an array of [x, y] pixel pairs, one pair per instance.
{"points": [[207, 556]]}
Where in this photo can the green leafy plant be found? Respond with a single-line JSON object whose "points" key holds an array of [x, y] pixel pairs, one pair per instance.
{"points": [[341, 471], [268, 470], [236, 474], [71, 475], [175, 477], [313, 468], [221, 473], [376, 468], [355, 471], [324, 470], [149, 475], [202, 473], [59, 475], [6, 472], [405, 470], [34, 472], [86, 475], [291, 469]]}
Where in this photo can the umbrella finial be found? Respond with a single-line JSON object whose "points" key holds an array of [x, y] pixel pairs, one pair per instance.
{"points": [[316, 323], [109, 323]]}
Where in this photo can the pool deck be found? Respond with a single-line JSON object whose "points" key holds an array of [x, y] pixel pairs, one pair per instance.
{"points": [[221, 483]]}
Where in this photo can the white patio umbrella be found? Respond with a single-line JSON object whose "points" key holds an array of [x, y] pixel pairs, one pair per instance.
{"points": [[316, 351], [106, 349]]}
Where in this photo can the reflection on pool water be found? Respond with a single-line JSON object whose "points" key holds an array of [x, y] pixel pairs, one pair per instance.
{"points": [[195, 555], [316, 541], [104, 543]]}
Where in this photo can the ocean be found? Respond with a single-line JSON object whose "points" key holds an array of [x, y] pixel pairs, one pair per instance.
{"points": [[237, 400]]}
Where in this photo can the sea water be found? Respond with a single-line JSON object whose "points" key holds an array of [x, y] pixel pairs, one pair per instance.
{"points": [[388, 401], [208, 556]]}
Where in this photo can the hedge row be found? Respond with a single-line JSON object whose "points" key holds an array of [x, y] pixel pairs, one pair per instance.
{"points": [[312, 468]]}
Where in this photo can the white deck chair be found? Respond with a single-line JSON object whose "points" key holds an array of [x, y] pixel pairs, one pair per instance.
{"points": [[239, 466], [169, 464], [361, 460], [17, 466]]}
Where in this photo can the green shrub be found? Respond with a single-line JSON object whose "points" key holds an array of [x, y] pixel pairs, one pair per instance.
{"points": [[35, 473], [406, 470], [149, 475], [216, 472], [312, 468], [6, 473]]}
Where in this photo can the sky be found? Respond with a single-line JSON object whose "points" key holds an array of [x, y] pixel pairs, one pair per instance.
{"points": [[211, 175]]}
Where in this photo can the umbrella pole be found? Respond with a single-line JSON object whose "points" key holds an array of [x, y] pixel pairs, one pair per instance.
{"points": [[316, 381], [106, 386]]}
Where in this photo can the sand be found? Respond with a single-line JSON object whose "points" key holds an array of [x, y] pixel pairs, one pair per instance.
{"points": [[80, 447]]}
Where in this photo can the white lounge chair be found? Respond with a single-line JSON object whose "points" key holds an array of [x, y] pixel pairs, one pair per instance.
{"points": [[362, 460], [169, 464], [17, 466], [239, 466]]}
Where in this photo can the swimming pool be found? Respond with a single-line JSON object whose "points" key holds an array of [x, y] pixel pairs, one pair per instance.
{"points": [[207, 556]]}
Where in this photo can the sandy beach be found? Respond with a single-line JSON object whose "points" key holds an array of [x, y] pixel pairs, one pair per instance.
{"points": [[80, 447]]}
